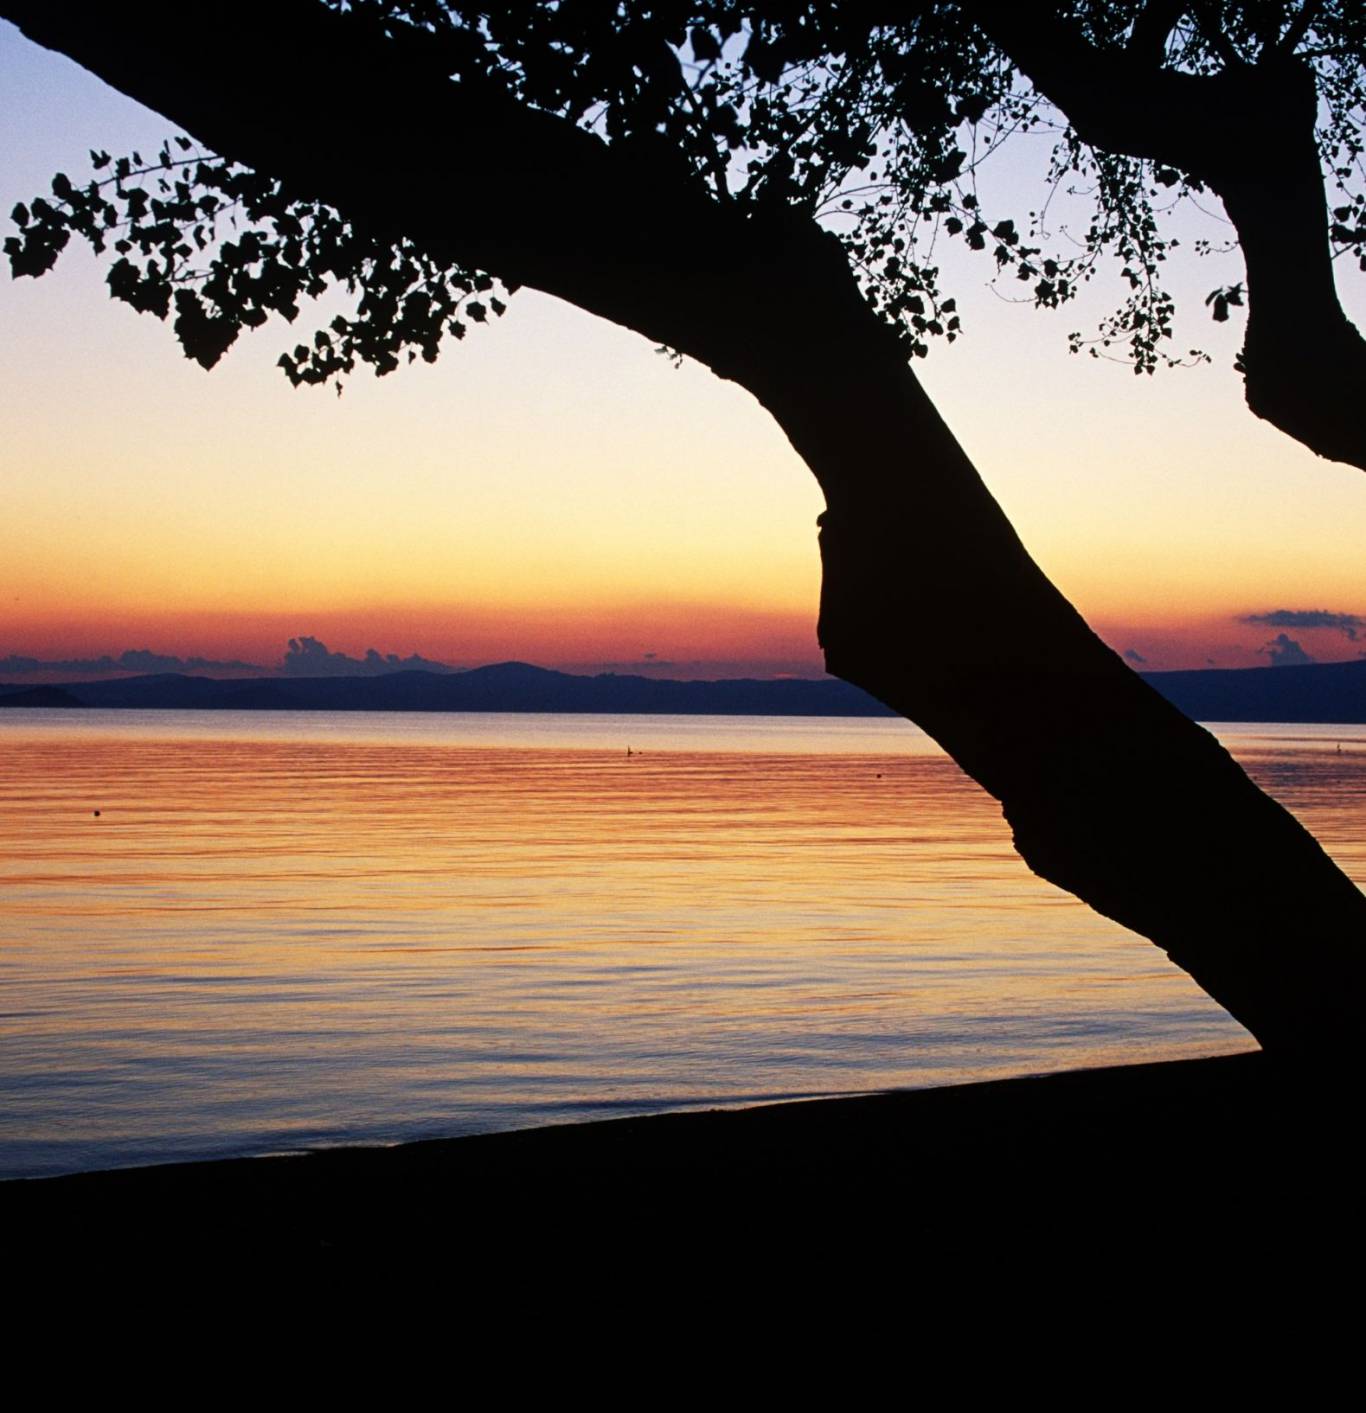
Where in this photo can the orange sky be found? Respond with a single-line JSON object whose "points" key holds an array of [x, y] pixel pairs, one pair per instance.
{"points": [[555, 491]]}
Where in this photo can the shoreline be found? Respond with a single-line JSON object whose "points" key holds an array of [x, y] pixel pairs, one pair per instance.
{"points": [[1225, 1138]]}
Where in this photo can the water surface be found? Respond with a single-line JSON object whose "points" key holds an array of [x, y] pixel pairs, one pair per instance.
{"points": [[293, 929]]}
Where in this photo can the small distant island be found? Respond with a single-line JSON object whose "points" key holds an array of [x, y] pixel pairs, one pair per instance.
{"points": [[1321, 692]]}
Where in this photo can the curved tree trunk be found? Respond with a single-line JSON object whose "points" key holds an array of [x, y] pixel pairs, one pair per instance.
{"points": [[1111, 793], [930, 601]]}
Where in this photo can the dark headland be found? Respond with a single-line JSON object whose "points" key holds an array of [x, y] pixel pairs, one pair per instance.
{"points": [[37, 697], [1320, 692]]}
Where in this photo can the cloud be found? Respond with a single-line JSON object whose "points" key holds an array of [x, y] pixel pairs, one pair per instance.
{"points": [[1348, 624], [144, 660], [1285, 652], [649, 663], [1135, 656], [16, 666], [700, 669], [134, 660], [308, 657]]}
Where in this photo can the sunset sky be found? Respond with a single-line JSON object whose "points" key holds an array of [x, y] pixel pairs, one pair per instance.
{"points": [[554, 490]]}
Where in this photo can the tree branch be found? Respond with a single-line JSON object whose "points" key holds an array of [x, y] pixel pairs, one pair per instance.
{"points": [[1153, 27], [1299, 27], [1213, 32], [1248, 134], [461, 168]]}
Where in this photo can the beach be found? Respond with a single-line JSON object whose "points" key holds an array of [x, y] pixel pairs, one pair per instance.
{"points": [[1219, 1147]]}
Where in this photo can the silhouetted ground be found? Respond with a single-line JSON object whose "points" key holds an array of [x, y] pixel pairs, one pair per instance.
{"points": [[1096, 1167]]}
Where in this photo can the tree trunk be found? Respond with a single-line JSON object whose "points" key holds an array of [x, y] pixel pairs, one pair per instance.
{"points": [[931, 603]]}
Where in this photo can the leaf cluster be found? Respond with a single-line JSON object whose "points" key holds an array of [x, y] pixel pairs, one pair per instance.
{"points": [[223, 248]]}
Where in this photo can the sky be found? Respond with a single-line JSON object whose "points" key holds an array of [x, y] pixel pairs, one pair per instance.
{"points": [[553, 490]]}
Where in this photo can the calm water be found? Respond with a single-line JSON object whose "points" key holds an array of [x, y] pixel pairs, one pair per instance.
{"points": [[293, 930]]}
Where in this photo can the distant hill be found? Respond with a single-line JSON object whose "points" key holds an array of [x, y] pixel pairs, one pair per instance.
{"points": [[37, 697], [1323, 692], [1331, 692], [505, 686]]}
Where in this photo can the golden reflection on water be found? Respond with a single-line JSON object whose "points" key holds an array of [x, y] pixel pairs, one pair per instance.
{"points": [[264, 939]]}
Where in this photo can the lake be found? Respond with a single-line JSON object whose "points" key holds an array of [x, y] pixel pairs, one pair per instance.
{"points": [[242, 933]]}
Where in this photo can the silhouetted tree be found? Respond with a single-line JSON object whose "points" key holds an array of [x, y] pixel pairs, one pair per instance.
{"points": [[755, 185]]}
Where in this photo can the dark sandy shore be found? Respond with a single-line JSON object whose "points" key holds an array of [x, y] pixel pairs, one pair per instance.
{"points": [[1213, 1149]]}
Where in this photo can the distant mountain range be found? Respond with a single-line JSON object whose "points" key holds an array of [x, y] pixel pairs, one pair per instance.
{"points": [[1324, 692]]}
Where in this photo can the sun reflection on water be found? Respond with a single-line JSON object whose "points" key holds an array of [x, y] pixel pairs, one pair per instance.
{"points": [[284, 933]]}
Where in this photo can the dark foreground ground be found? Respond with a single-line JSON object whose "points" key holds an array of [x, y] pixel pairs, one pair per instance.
{"points": [[1104, 1168]]}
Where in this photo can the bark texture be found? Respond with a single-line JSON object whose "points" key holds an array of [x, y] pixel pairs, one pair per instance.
{"points": [[1111, 792]]}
